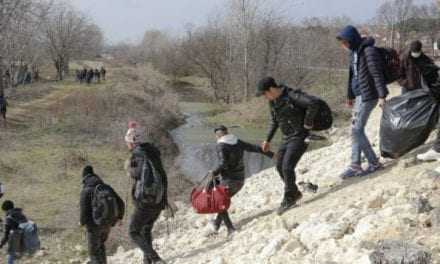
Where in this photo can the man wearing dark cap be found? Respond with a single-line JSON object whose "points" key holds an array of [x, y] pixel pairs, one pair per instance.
{"points": [[293, 111], [230, 151], [416, 68], [97, 234]]}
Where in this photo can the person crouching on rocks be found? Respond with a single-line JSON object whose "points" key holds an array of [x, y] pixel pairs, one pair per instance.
{"points": [[230, 151]]}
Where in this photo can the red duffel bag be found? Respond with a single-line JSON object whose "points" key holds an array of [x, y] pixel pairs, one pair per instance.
{"points": [[210, 198]]}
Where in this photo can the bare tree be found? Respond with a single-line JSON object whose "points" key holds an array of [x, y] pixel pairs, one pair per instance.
{"points": [[395, 16], [69, 34]]}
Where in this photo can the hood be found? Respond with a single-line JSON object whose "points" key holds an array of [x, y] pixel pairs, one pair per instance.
{"points": [[351, 34], [367, 42], [228, 139], [92, 180], [17, 214]]}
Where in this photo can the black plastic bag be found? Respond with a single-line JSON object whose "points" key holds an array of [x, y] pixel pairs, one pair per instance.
{"points": [[406, 123]]}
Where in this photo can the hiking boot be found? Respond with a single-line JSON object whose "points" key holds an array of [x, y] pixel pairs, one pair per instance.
{"points": [[372, 168], [352, 171], [430, 155], [289, 203]]}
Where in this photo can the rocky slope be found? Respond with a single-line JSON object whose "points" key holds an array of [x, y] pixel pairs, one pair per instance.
{"points": [[344, 222]]}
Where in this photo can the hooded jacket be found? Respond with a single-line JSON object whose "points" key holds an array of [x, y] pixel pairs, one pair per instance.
{"points": [[230, 151], [90, 182], [367, 70], [14, 218], [153, 155]]}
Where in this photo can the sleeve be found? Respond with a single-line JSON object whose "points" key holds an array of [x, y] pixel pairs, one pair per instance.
{"points": [[157, 155], [85, 206], [121, 205], [350, 94], [8, 228], [273, 126], [374, 65], [222, 166], [307, 102], [403, 80], [254, 148]]}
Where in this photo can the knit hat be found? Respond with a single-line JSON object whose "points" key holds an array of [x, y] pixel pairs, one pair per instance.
{"points": [[7, 205], [88, 170], [135, 136]]}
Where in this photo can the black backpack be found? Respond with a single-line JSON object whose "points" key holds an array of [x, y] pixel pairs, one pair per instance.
{"points": [[107, 207], [324, 117], [149, 187], [390, 64]]}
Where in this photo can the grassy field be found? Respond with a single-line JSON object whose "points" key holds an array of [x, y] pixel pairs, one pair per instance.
{"points": [[56, 128]]}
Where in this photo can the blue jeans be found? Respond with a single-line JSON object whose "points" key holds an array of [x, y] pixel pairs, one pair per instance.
{"points": [[360, 142], [11, 258]]}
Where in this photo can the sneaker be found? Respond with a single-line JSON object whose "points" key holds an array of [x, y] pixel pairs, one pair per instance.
{"points": [[430, 155], [352, 171], [289, 203], [372, 168]]}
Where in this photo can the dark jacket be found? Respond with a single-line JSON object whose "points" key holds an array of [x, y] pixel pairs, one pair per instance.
{"points": [[411, 71], [153, 154], [230, 151], [291, 111], [90, 182], [370, 73], [14, 218]]}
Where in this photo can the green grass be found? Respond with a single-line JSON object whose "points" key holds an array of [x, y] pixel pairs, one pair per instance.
{"points": [[56, 129]]}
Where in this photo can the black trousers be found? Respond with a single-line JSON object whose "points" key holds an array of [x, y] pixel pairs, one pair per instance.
{"points": [[97, 236], [234, 187], [141, 225], [289, 154]]}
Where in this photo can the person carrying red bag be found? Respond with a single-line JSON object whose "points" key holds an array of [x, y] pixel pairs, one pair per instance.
{"points": [[230, 151]]}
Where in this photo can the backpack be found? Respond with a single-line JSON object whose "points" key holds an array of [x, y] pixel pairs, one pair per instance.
{"points": [[324, 118], [149, 187], [25, 239], [106, 207], [31, 240], [390, 64]]}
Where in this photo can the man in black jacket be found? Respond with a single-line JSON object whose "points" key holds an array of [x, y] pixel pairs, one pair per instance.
{"points": [[294, 112], [230, 151], [145, 214], [14, 217], [97, 235], [367, 88]]}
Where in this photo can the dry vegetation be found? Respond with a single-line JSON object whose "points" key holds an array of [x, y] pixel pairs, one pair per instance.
{"points": [[57, 128]]}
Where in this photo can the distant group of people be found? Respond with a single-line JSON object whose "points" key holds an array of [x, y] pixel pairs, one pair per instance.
{"points": [[91, 75], [292, 111]]}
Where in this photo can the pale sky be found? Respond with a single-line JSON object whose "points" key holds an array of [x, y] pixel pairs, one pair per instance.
{"points": [[127, 20]]}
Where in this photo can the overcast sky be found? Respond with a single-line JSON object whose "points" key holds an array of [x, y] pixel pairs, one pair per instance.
{"points": [[127, 20]]}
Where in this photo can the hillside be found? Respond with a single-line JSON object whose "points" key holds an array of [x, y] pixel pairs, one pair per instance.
{"points": [[343, 223]]}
